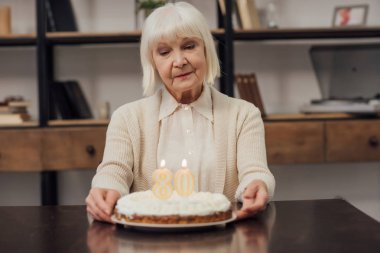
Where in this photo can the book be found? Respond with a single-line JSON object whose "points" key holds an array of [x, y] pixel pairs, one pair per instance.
{"points": [[68, 101], [8, 109], [5, 20], [19, 104], [59, 108], [77, 100], [60, 16], [249, 90], [236, 20], [222, 6], [14, 106], [249, 14], [14, 118], [256, 93], [242, 87]]}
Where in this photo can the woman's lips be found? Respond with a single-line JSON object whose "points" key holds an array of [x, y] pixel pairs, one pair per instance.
{"points": [[183, 75]]}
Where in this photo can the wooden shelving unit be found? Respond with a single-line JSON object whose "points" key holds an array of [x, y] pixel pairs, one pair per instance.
{"points": [[225, 36], [307, 117], [21, 125], [79, 122], [75, 38], [307, 33]]}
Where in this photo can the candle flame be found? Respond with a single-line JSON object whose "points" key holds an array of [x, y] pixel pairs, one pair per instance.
{"points": [[184, 163], [162, 164]]}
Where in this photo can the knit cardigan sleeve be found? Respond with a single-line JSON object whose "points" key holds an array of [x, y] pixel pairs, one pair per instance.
{"points": [[251, 151], [116, 169]]}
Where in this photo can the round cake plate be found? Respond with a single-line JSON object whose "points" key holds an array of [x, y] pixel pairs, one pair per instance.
{"points": [[171, 227]]}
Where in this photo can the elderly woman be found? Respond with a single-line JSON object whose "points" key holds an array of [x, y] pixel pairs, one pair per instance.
{"points": [[221, 137]]}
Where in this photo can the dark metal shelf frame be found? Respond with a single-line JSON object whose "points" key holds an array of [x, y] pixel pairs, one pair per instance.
{"points": [[16, 42]]}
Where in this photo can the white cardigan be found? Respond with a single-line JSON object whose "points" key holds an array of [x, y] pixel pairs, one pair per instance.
{"points": [[132, 137]]}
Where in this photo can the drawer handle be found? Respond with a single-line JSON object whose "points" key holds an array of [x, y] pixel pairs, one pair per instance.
{"points": [[373, 141], [90, 149]]}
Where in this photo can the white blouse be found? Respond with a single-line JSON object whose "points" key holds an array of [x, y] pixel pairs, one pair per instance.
{"points": [[186, 132]]}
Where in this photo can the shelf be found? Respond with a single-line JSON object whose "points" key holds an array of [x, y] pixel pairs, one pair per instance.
{"points": [[18, 40], [79, 122], [20, 125], [74, 38], [308, 116], [307, 33]]}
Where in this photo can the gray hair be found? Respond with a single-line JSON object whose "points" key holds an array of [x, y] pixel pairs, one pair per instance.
{"points": [[171, 21]]}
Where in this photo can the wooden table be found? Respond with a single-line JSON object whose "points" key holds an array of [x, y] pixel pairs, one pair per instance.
{"points": [[286, 226]]}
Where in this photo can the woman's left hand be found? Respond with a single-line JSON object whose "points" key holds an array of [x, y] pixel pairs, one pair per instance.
{"points": [[255, 198]]}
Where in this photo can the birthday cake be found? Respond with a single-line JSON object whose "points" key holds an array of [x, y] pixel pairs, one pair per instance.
{"points": [[199, 207]]}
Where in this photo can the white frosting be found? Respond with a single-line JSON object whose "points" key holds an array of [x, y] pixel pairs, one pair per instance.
{"points": [[199, 203]]}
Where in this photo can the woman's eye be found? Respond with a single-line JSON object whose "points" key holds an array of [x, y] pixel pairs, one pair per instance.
{"points": [[190, 46], [163, 52]]}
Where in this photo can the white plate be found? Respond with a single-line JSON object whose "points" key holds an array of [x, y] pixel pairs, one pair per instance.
{"points": [[147, 226]]}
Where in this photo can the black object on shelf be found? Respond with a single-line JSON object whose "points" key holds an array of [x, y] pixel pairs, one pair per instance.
{"points": [[60, 16], [77, 100], [60, 108], [67, 101]]}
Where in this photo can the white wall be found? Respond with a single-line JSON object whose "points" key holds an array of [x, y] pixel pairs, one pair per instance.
{"points": [[357, 183], [18, 75], [24, 12], [112, 73]]}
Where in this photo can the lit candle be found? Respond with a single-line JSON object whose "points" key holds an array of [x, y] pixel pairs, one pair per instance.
{"points": [[162, 178], [184, 180]]}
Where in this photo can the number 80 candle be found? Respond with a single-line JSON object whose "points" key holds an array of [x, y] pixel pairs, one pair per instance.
{"points": [[184, 181], [162, 177]]}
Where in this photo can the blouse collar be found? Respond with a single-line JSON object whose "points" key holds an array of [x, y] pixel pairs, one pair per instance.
{"points": [[203, 105]]}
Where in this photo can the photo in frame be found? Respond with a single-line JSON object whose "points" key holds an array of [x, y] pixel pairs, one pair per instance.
{"points": [[352, 15]]}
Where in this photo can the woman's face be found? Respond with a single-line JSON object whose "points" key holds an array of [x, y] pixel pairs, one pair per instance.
{"points": [[181, 64]]}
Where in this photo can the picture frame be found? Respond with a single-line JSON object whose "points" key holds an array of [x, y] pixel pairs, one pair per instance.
{"points": [[350, 15]]}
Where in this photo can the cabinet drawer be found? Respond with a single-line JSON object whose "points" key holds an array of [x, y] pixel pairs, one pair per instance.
{"points": [[297, 142], [353, 141], [73, 148], [20, 150]]}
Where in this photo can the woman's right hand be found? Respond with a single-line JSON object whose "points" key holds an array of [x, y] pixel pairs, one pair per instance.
{"points": [[100, 203]]}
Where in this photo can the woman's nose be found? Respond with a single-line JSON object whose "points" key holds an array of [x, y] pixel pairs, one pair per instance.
{"points": [[179, 60]]}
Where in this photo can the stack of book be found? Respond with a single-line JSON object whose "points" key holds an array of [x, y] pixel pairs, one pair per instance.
{"points": [[249, 90], [14, 112]]}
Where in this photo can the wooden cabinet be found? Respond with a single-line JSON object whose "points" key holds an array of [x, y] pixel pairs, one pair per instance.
{"points": [[292, 143], [297, 142], [20, 150], [353, 141], [323, 141], [73, 148]]}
